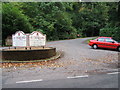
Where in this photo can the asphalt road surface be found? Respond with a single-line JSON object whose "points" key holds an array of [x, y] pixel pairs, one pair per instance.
{"points": [[94, 81], [79, 67]]}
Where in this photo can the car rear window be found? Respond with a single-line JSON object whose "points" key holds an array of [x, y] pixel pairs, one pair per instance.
{"points": [[109, 40]]}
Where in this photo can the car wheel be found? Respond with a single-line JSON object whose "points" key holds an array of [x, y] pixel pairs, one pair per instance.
{"points": [[119, 49], [95, 46]]}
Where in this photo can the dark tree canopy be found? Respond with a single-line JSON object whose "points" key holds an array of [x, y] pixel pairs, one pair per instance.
{"points": [[62, 20]]}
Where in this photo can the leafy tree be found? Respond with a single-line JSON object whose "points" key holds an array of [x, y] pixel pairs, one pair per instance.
{"points": [[0, 23], [13, 20], [62, 20], [51, 18], [112, 28], [90, 17]]}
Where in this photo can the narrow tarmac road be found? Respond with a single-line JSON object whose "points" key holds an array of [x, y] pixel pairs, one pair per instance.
{"points": [[78, 60]]}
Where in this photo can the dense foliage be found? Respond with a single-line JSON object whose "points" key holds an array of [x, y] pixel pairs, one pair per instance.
{"points": [[112, 28], [13, 20], [62, 20]]}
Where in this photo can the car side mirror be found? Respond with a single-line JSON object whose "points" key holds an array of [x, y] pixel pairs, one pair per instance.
{"points": [[113, 42]]}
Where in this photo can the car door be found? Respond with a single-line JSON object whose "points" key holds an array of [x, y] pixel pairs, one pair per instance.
{"points": [[100, 42], [109, 43]]}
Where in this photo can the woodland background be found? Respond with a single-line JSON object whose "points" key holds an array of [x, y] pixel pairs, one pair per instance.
{"points": [[62, 20]]}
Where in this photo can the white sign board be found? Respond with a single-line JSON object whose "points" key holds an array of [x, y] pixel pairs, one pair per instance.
{"points": [[37, 39], [34, 39], [19, 39]]}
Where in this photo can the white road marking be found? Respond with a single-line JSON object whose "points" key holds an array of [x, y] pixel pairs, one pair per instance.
{"points": [[78, 76], [29, 81], [114, 73]]}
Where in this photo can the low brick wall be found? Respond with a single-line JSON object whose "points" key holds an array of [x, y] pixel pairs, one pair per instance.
{"points": [[28, 54]]}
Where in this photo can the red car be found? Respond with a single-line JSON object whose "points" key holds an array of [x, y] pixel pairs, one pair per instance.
{"points": [[104, 42]]}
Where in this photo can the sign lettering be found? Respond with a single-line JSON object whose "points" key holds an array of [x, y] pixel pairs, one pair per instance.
{"points": [[33, 39]]}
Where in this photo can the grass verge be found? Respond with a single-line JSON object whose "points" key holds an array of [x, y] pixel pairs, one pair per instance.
{"points": [[88, 40]]}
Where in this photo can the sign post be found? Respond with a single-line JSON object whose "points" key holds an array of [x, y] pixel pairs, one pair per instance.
{"points": [[34, 39], [37, 39], [19, 39]]}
